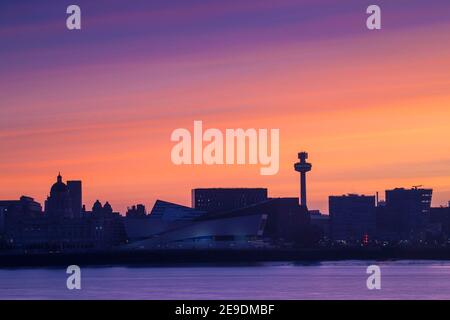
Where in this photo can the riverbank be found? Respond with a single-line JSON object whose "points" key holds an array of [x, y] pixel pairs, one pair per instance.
{"points": [[180, 257]]}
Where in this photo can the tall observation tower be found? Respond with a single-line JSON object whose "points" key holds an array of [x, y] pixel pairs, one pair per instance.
{"points": [[303, 167]]}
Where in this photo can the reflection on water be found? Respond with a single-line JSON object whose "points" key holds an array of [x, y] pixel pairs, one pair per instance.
{"points": [[324, 280]]}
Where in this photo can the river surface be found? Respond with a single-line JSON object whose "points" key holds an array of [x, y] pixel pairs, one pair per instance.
{"points": [[316, 280]]}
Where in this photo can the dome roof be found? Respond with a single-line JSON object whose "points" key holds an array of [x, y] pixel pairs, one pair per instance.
{"points": [[59, 186], [107, 208], [97, 206]]}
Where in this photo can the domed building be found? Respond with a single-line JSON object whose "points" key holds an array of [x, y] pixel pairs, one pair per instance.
{"points": [[58, 203], [100, 211], [107, 209], [97, 208]]}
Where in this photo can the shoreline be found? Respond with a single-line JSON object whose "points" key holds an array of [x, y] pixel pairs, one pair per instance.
{"points": [[176, 257]]}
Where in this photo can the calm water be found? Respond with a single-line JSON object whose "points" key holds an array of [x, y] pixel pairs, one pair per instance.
{"points": [[325, 280]]}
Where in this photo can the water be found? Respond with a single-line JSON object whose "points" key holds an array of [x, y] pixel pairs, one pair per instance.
{"points": [[324, 280]]}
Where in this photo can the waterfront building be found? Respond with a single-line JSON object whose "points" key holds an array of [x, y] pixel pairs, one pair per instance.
{"points": [[59, 228], [321, 222], [439, 223], [74, 188], [137, 211], [408, 212], [226, 199], [164, 216], [59, 204], [277, 221], [352, 217]]}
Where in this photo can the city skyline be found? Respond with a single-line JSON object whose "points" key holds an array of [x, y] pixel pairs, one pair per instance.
{"points": [[223, 217], [371, 108], [378, 195]]}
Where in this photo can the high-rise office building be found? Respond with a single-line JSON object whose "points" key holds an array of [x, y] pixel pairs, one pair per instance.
{"points": [[2, 220], [408, 210], [352, 217], [76, 196], [440, 220]]}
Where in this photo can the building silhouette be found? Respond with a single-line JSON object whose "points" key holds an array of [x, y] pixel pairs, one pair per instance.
{"points": [[406, 212], [352, 217], [321, 223], [303, 167], [14, 214], [439, 224], [76, 197], [221, 218], [274, 221], [225, 199], [137, 211], [58, 203], [59, 228]]}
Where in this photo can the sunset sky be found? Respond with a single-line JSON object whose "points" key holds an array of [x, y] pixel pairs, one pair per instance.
{"points": [[372, 108]]}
